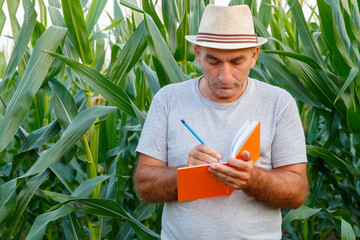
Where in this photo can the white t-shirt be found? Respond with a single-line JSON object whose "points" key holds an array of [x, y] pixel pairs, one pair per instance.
{"points": [[164, 137]]}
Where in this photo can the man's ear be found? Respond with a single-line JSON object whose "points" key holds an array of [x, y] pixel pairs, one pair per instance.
{"points": [[255, 56], [197, 53]]}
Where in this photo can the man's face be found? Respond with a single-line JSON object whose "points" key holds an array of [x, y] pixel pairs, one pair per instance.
{"points": [[225, 72]]}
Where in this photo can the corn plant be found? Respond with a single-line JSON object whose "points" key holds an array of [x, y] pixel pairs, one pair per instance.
{"points": [[319, 65], [70, 121], [66, 153]]}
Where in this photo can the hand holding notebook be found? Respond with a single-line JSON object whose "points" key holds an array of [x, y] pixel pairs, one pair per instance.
{"points": [[196, 182]]}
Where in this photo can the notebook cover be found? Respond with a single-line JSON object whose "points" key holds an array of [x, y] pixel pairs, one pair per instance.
{"points": [[196, 182]]}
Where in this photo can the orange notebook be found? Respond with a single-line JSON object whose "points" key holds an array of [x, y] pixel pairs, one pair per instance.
{"points": [[196, 182], [247, 138]]}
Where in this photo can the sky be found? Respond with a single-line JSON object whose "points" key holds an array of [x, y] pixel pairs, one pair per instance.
{"points": [[6, 44]]}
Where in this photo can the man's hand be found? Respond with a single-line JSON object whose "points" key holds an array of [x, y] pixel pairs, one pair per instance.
{"points": [[157, 183], [282, 187], [238, 175], [203, 154]]}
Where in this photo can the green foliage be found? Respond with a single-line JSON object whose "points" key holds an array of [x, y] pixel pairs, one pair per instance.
{"points": [[320, 63], [70, 120]]}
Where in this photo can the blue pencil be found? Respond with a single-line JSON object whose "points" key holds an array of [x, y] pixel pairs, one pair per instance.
{"points": [[192, 131]]}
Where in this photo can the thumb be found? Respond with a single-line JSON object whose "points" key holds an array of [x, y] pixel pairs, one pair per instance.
{"points": [[246, 156]]}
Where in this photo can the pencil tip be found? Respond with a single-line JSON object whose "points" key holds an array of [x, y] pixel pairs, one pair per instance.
{"points": [[182, 120]]}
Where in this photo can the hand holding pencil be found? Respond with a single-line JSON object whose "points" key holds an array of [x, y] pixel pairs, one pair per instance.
{"points": [[201, 154]]}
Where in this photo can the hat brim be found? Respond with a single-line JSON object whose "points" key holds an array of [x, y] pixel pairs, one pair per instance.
{"points": [[192, 39]]}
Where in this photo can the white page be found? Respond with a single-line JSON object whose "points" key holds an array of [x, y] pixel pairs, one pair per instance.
{"points": [[241, 136]]}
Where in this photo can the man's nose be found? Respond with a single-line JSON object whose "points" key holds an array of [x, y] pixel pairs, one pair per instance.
{"points": [[225, 73]]}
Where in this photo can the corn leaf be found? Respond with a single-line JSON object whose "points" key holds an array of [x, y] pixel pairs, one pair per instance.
{"points": [[160, 49], [40, 136], [75, 23], [95, 10], [333, 160], [78, 127], [151, 78], [64, 175], [2, 16], [58, 20], [319, 86], [149, 8], [106, 208], [141, 213], [287, 78], [302, 212], [184, 50], [347, 232], [34, 74], [109, 208], [129, 56], [132, 4], [13, 6], [339, 56], [171, 18], [7, 202], [73, 228], [353, 73], [110, 91], [262, 31], [64, 104], [54, 69], [43, 16], [22, 201], [56, 17], [308, 43], [353, 111], [82, 191], [114, 24], [304, 59], [38, 228], [20, 44], [265, 12], [86, 187]]}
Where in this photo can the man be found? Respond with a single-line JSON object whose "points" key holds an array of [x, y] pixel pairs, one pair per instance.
{"points": [[216, 105]]}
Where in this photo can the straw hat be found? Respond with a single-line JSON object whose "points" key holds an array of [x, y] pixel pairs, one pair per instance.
{"points": [[226, 28]]}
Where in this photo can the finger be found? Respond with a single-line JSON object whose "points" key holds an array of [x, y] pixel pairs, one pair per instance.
{"points": [[231, 176], [202, 154], [210, 154], [223, 172], [246, 156], [195, 162], [208, 150], [204, 158], [240, 164]]}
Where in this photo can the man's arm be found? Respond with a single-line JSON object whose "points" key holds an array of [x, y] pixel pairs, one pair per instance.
{"points": [[157, 183], [282, 187]]}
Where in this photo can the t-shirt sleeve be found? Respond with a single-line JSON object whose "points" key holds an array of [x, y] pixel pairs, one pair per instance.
{"points": [[288, 146], [153, 139]]}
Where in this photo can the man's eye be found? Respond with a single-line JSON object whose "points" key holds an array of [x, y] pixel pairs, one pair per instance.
{"points": [[213, 62], [236, 63]]}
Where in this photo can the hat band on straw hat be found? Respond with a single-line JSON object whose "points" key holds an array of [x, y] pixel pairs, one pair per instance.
{"points": [[226, 38]]}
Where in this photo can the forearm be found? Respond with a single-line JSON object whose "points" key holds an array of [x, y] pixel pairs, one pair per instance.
{"points": [[156, 184], [277, 188]]}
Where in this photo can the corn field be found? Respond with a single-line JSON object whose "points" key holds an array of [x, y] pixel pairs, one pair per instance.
{"points": [[70, 121]]}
